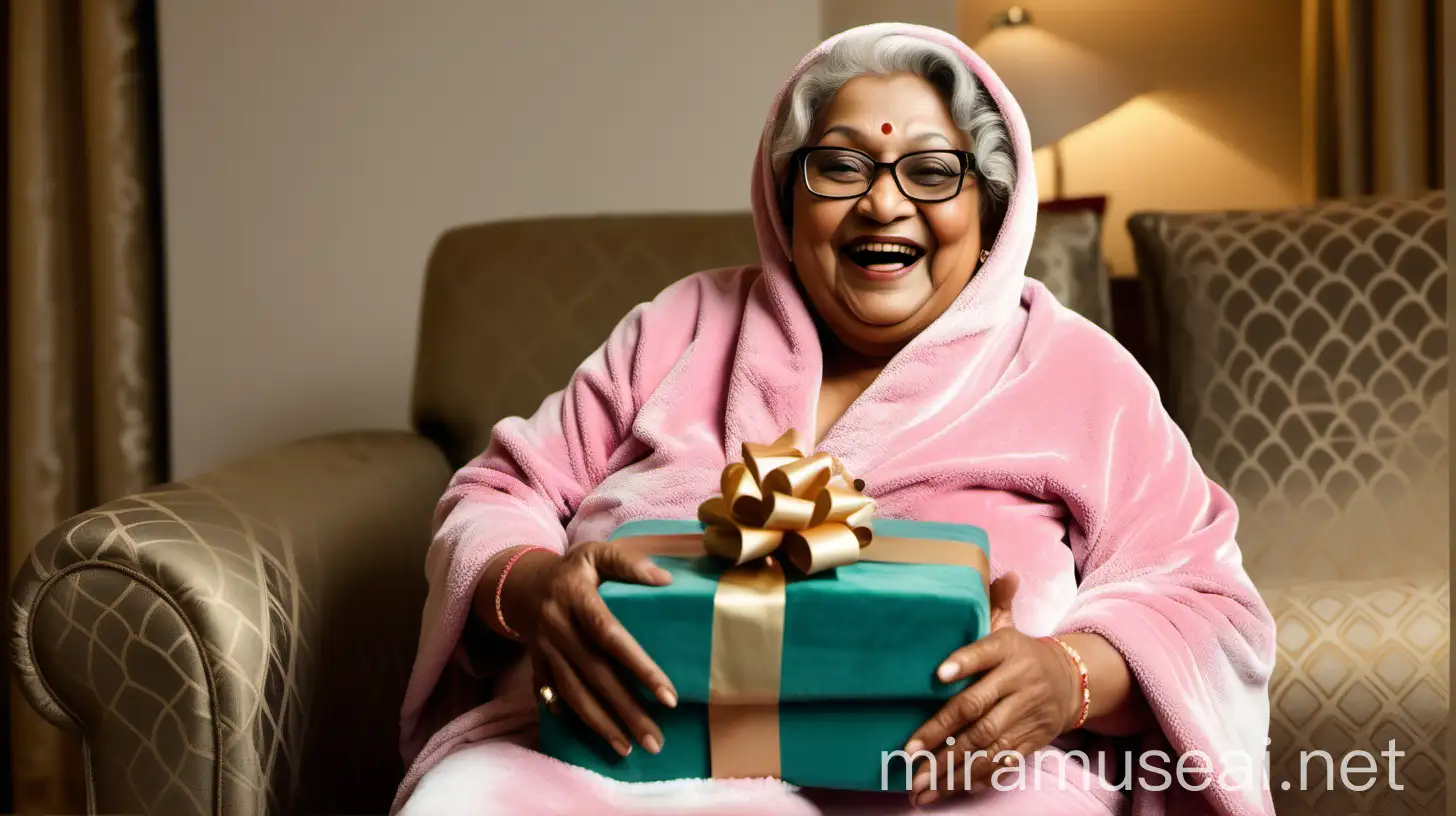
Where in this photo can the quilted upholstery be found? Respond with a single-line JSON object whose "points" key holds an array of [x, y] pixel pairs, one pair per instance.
{"points": [[1304, 352], [512, 308], [195, 634], [1362, 663]]}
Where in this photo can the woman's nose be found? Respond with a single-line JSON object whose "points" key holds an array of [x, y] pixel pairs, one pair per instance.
{"points": [[884, 202]]}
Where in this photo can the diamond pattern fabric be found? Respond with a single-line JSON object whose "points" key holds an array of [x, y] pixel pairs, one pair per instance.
{"points": [[197, 634], [1361, 664]]}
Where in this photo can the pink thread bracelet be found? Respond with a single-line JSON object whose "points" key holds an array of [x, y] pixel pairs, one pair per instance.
{"points": [[500, 585]]}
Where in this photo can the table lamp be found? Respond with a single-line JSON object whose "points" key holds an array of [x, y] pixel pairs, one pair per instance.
{"points": [[1059, 85]]}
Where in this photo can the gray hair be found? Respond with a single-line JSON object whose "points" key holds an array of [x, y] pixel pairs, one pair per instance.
{"points": [[872, 52]]}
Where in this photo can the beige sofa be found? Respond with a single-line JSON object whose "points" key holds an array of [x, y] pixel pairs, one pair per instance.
{"points": [[238, 643]]}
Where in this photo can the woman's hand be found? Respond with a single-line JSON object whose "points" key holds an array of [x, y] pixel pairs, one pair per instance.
{"points": [[577, 645], [1031, 693]]}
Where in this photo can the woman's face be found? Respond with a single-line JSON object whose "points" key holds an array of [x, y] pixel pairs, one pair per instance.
{"points": [[873, 301]]}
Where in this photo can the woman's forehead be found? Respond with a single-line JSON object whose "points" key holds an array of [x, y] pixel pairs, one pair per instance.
{"points": [[874, 111], [877, 130]]}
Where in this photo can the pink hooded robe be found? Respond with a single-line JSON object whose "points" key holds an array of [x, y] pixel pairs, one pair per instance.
{"points": [[1009, 412]]}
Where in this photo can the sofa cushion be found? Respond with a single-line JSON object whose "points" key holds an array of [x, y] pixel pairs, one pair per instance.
{"points": [[1066, 255], [1304, 353]]}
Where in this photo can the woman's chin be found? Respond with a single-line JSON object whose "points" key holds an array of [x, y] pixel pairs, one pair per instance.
{"points": [[882, 309]]}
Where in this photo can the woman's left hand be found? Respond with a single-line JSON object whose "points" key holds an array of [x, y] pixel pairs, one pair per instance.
{"points": [[1030, 694]]}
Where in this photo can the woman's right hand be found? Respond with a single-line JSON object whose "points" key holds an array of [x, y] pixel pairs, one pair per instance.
{"points": [[577, 645]]}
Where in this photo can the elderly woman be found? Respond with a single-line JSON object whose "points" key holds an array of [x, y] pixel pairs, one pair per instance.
{"points": [[891, 323]]}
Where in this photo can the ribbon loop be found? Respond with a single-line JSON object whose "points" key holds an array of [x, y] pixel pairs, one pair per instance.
{"points": [[737, 482], [807, 509], [801, 478]]}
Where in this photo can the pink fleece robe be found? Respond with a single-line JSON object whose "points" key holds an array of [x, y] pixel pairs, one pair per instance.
{"points": [[1009, 412]]}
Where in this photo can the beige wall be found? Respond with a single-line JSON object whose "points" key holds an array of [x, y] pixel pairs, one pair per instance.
{"points": [[314, 149], [838, 15], [1220, 124]]}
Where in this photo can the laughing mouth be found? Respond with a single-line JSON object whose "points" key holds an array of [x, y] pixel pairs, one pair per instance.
{"points": [[881, 256]]}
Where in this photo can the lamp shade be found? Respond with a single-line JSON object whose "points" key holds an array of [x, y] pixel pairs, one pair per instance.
{"points": [[1059, 85]]}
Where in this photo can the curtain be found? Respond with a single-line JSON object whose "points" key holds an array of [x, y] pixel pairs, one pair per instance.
{"points": [[82, 382], [1373, 97]]}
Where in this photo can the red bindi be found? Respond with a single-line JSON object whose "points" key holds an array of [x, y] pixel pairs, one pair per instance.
{"points": [[886, 129]]}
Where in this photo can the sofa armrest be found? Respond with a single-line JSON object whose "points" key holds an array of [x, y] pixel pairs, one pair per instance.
{"points": [[196, 633], [1361, 663]]}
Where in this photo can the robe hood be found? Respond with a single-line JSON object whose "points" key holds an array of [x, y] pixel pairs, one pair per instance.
{"points": [[993, 294]]}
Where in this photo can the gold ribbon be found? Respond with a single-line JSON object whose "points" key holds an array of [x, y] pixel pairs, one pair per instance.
{"points": [[748, 606], [806, 509]]}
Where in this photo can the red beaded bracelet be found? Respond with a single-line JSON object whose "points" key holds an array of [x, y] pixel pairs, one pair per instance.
{"points": [[1081, 675], [500, 585]]}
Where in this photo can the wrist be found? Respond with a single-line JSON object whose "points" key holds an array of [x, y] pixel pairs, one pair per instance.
{"points": [[509, 595], [1075, 666]]}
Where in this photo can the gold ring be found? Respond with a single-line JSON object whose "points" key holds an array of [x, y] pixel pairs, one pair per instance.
{"points": [[548, 696]]}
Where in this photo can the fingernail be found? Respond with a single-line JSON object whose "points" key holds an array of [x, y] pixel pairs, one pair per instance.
{"points": [[947, 671], [667, 697], [914, 745], [651, 744], [661, 574], [926, 798], [622, 747], [922, 781]]}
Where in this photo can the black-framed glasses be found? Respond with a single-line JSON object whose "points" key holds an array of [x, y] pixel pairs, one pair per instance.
{"points": [[927, 176]]}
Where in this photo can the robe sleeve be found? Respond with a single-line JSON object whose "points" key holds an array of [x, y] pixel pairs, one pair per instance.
{"points": [[525, 486], [1160, 576]]}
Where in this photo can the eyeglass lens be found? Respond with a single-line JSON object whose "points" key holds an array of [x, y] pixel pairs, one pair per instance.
{"points": [[934, 176]]}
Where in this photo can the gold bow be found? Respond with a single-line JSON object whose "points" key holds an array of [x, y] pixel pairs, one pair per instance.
{"points": [[807, 509]]}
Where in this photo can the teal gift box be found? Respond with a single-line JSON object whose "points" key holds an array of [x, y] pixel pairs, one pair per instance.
{"points": [[856, 665]]}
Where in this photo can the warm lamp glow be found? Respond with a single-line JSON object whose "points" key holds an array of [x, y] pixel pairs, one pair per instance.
{"points": [[1158, 174], [1059, 85]]}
